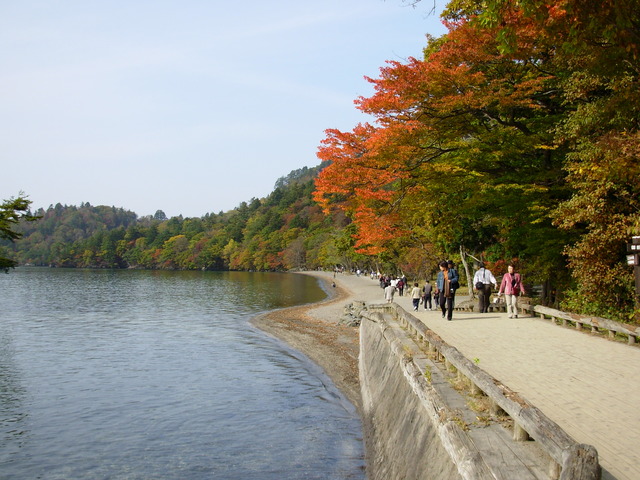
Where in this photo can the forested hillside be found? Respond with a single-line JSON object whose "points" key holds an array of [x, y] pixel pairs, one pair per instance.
{"points": [[286, 230]]}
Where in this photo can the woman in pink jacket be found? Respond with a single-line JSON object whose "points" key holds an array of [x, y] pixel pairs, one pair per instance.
{"points": [[512, 287]]}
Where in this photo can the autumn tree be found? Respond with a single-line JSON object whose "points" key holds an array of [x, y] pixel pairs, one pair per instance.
{"points": [[461, 151], [597, 48], [516, 136], [601, 86]]}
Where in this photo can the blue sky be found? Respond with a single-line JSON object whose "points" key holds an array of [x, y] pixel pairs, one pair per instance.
{"points": [[184, 106]]}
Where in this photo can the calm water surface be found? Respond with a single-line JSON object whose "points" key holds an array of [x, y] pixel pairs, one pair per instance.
{"points": [[159, 375]]}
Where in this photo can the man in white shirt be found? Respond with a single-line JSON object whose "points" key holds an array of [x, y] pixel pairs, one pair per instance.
{"points": [[482, 281]]}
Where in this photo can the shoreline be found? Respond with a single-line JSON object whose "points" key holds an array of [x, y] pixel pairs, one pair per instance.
{"points": [[313, 329]]}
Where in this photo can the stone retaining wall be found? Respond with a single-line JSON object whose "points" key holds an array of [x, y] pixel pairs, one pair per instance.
{"points": [[403, 436], [420, 427]]}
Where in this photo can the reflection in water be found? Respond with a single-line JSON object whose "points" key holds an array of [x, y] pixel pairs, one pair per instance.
{"points": [[12, 395], [130, 374]]}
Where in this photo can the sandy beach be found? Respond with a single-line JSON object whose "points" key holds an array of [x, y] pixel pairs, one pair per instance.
{"points": [[314, 329]]}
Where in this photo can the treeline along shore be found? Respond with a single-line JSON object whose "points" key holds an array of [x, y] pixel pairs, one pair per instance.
{"points": [[514, 138], [285, 231]]}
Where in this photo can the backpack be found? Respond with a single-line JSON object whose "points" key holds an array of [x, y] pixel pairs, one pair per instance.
{"points": [[456, 283]]}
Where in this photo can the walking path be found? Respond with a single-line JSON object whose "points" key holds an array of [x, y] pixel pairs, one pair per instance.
{"points": [[588, 385]]}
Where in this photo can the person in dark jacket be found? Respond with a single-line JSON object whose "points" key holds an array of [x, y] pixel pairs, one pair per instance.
{"points": [[426, 295], [445, 290]]}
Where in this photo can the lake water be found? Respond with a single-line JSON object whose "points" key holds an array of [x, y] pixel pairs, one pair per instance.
{"points": [[159, 375]]}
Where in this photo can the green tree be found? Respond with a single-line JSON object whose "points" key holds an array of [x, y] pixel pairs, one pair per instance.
{"points": [[160, 216], [596, 51], [12, 211]]}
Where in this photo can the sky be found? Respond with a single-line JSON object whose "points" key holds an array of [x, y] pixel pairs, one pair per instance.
{"points": [[189, 107]]}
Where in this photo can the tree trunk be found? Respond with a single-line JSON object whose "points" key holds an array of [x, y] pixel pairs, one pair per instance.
{"points": [[463, 258]]}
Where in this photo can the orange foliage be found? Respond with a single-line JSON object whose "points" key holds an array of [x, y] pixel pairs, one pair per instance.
{"points": [[423, 111]]}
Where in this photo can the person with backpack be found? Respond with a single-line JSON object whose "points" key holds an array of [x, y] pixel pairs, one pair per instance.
{"points": [[455, 285], [482, 281], [512, 286]]}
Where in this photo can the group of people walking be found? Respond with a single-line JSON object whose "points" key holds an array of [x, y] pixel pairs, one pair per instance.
{"points": [[511, 286], [398, 283], [448, 282]]}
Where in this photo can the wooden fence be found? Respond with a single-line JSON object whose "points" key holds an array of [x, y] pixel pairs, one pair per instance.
{"points": [[569, 459], [610, 328], [596, 324]]}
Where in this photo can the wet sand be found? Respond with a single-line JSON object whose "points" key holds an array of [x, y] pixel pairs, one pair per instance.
{"points": [[314, 329]]}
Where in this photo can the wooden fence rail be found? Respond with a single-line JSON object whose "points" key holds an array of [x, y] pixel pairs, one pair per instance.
{"points": [[596, 324], [570, 460]]}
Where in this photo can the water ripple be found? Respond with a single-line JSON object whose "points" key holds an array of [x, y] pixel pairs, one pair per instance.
{"points": [[132, 375]]}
